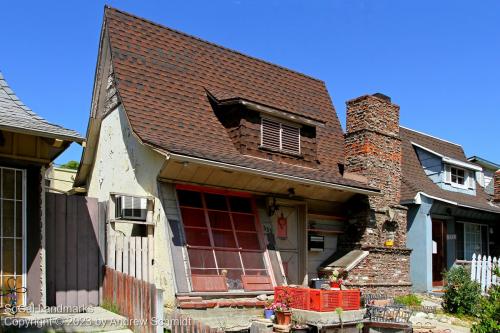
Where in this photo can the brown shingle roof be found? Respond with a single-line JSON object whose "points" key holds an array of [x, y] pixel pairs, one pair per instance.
{"points": [[163, 76], [415, 180]]}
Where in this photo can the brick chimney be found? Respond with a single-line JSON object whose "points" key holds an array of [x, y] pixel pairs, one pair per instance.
{"points": [[373, 146], [373, 150], [496, 184]]}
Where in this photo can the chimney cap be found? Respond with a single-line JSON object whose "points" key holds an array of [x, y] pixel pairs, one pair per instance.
{"points": [[382, 96]]}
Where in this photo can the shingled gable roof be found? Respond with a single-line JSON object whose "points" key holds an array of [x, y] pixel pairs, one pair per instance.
{"points": [[17, 117], [414, 179], [163, 77]]}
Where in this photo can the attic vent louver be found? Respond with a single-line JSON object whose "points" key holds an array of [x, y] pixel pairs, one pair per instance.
{"points": [[278, 136]]}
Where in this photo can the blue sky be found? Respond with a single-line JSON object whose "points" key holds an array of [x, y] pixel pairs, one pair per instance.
{"points": [[438, 60]]}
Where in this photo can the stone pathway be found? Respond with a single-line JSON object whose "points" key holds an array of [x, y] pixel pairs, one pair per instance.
{"points": [[439, 320]]}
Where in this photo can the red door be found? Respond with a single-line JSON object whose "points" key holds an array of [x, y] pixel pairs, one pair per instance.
{"points": [[438, 251]]}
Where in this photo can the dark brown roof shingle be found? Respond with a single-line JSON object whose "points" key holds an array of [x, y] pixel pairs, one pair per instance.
{"points": [[415, 180], [163, 76]]}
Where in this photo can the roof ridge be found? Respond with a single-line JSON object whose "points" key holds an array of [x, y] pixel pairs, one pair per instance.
{"points": [[431, 136], [107, 7], [13, 96]]}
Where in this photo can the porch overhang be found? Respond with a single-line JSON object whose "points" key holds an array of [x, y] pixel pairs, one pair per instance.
{"points": [[194, 170]]}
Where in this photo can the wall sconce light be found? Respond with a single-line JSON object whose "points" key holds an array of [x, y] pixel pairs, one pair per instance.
{"points": [[291, 192], [273, 208]]}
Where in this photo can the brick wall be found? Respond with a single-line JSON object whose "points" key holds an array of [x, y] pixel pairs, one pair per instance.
{"points": [[373, 150], [496, 179]]}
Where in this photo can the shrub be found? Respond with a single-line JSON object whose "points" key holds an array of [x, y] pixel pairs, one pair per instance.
{"points": [[489, 312], [461, 295], [408, 300]]}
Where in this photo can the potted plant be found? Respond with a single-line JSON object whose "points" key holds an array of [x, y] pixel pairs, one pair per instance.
{"points": [[335, 280], [299, 325], [283, 313], [269, 310]]}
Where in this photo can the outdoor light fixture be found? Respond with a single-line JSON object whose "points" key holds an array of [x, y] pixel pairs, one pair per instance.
{"points": [[291, 192]]}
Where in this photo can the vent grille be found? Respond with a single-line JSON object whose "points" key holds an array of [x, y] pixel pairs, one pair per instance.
{"points": [[282, 137]]}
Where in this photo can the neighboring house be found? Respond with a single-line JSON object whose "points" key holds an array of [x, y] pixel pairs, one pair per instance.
{"points": [[28, 144], [59, 180], [240, 167], [486, 177], [450, 216]]}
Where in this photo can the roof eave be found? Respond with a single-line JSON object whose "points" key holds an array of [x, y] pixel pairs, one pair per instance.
{"points": [[77, 139], [234, 167]]}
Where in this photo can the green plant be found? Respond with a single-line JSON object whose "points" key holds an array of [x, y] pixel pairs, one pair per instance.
{"points": [[71, 165], [489, 312], [461, 295], [408, 300], [339, 312], [110, 306]]}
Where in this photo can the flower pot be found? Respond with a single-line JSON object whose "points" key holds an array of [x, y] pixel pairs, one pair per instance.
{"points": [[283, 317], [334, 285], [268, 313]]}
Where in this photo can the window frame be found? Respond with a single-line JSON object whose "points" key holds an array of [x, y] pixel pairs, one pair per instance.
{"points": [[280, 123], [464, 177], [482, 241], [215, 250]]}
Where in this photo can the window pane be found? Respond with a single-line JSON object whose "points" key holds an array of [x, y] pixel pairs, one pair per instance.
{"points": [[201, 258], [8, 218], [189, 198], [8, 184], [205, 271], [248, 240], [19, 219], [197, 237], [8, 256], [215, 201], [19, 185], [244, 222], [238, 204], [253, 260], [193, 217], [224, 239], [19, 257], [228, 259], [219, 220]]}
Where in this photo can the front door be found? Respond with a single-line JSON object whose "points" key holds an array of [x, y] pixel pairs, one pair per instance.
{"points": [[438, 251], [286, 231]]}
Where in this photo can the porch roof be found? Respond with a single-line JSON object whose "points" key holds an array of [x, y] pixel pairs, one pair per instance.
{"points": [[15, 116]]}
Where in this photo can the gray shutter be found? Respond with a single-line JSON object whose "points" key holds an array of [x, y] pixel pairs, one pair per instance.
{"points": [[447, 173], [471, 180], [290, 139], [270, 134]]}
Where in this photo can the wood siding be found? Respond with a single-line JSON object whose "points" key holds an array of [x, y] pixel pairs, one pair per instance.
{"points": [[74, 250]]}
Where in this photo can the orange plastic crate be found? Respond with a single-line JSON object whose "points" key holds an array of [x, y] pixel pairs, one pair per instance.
{"points": [[298, 298], [329, 300]]}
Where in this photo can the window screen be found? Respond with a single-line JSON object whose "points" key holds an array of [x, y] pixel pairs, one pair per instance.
{"points": [[222, 236]]}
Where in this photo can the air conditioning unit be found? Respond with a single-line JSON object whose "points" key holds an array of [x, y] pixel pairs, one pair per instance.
{"points": [[131, 208]]}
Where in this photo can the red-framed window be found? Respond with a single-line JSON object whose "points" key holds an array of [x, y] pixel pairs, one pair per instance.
{"points": [[223, 234]]}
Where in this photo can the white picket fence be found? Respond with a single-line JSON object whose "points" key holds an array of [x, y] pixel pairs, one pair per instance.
{"points": [[482, 271], [130, 255]]}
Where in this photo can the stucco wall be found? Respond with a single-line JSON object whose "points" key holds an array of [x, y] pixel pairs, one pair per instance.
{"points": [[419, 239], [124, 165]]}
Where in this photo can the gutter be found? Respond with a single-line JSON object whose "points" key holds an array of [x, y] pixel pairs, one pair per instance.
{"points": [[418, 201], [185, 158]]}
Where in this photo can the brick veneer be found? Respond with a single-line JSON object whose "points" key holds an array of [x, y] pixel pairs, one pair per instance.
{"points": [[496, 179], [373, 150]]}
